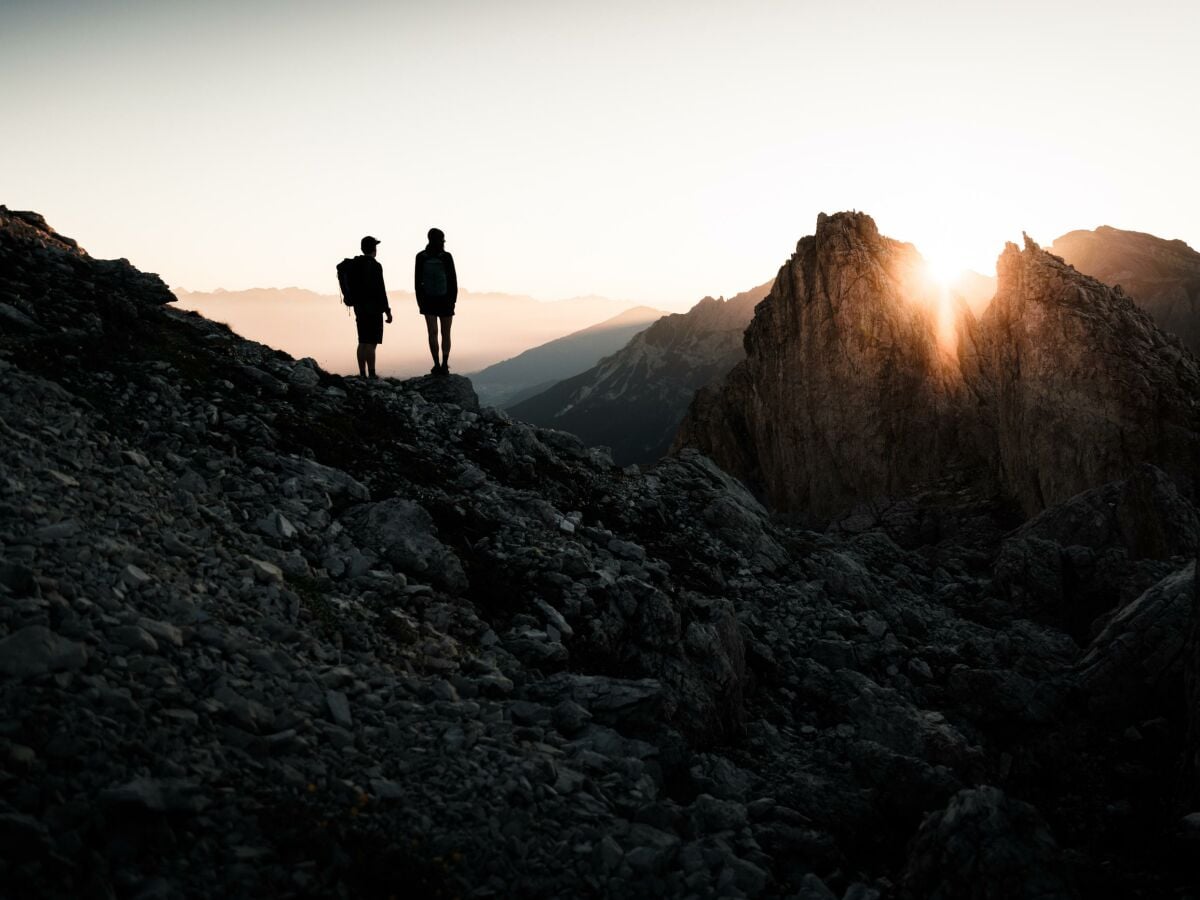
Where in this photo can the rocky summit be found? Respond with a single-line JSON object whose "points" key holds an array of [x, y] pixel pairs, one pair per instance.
{"points": [[845, 393], [266, 631], [852, 395], [1074, 384]]}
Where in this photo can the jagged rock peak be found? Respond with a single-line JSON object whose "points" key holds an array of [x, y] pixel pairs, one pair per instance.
{"points": [[847, 395], [845, 392], [1075, 384]]}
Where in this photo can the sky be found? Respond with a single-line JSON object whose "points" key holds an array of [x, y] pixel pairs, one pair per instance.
{"points": [[650, 151]]}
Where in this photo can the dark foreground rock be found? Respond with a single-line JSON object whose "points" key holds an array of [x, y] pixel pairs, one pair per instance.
{"points": [[269, 632]]}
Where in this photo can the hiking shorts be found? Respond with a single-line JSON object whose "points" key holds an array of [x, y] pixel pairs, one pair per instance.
{"points": [[370, 327], [436, 306]]}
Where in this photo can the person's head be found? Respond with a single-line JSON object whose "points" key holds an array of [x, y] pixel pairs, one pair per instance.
{"points": [[437, 239], [368, 245]]}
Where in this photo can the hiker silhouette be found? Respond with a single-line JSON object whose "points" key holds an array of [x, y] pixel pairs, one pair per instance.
{"points": [[436, 285], [370, 302]]}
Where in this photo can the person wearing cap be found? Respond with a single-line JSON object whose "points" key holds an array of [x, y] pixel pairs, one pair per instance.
{"points": [[370, 305], [436, 285]]}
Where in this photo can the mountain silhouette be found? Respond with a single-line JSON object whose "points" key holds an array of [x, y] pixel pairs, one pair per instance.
{"points": [[1163, 277], [534, 370], [633, 400]]}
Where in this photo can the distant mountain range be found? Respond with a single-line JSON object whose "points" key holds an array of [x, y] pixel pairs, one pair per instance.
{"points": [[633, 400], [1162, 276], [535, 370], [488, 327]]}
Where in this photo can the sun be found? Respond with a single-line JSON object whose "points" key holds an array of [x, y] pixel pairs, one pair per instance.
{"points": [[943, 271]]}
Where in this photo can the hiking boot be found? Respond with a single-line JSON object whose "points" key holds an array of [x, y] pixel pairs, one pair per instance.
{"points": [[436, 370], [445, 369]]}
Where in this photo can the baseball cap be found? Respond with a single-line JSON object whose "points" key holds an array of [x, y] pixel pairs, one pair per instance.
{"points": [[369, 241]]}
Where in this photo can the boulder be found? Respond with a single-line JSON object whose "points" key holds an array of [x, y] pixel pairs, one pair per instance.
{"points": [[986, 846], [36, 650], [1140, 654], [402, 532]]}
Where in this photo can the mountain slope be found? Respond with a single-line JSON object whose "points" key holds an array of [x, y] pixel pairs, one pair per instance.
{"points": [[532, 371], [1162, 276], [270, 632], [633, 400]]}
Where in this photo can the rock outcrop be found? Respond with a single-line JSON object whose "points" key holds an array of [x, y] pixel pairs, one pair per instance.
{"points": [[845, 393], [984, 846], [1162, 277], [1074, 385], [1191, 695]]}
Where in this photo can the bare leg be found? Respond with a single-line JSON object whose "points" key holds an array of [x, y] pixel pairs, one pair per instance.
{"points": [[371, 348], [362, 360], [431, 326], [446, 321]]}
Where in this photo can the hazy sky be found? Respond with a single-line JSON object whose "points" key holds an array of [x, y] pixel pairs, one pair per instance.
{"points": [[655, 151]]}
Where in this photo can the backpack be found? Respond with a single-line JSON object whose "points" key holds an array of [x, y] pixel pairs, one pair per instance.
{"points": [[433, 276], [347, 272]]}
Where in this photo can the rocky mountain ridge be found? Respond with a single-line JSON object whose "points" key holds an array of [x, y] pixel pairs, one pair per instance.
{"points": [[1074, 384], [265, 631], [633, 400], [847, 396], [532, 371], [1162, 276]]}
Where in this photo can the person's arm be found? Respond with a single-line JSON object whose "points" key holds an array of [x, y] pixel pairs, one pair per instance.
{"points": [[451, 279], [417, 279], [387, 306]]}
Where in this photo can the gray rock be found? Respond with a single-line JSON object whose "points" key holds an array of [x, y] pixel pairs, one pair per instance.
{"points": [[986, 846], [135, 638], [265, 572], [304, 377], [402, 532], [339, 708], [36, 650], [157, 795], [1140, 653]]}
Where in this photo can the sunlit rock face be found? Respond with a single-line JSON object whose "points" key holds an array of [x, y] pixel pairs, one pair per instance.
{"points": [[1073, 384], [848, 395], [1162, 276], [845, 393]]}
